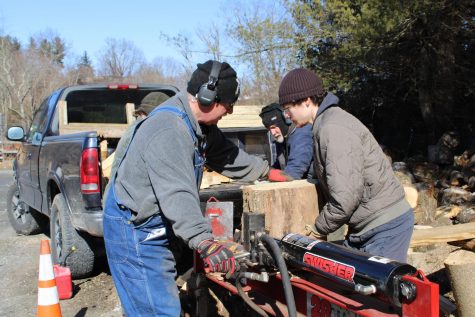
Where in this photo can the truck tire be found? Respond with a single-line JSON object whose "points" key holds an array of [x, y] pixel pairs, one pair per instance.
{"points": [[69, 247], [24, 219]]}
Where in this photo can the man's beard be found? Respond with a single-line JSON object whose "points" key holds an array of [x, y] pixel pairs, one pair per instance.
{"points": [[279, 139]]}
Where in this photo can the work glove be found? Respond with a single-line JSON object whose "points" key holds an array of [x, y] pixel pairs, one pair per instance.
{"points": [[276, 175], [219, 255], [311, 231]]}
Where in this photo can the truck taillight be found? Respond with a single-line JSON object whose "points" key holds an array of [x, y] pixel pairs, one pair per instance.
{"points": [[90, 171], [123, 86]]}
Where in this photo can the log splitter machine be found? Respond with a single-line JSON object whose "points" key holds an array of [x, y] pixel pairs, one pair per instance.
{"points": [[300, 276]]}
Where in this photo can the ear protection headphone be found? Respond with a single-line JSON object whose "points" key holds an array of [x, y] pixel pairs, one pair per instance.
{"points": [[209, 91]]}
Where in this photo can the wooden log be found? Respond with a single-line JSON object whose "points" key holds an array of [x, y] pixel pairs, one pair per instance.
{"points": [[425, 211], [288, 206], [411, 195], [460, 266], [443, 234]]}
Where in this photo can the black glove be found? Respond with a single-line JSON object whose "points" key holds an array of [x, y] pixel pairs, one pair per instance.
{"points": [[219, 255]]}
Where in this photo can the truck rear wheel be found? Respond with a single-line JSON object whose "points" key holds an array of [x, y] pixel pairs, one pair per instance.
{"points": [[69, 247], [24, 219]]}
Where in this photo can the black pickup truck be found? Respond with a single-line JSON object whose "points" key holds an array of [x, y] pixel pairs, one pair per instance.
{"points": [[58, 176]]}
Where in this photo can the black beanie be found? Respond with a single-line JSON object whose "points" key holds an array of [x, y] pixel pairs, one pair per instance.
{"points": [[273, 114], [299, 84], [227, 85]]}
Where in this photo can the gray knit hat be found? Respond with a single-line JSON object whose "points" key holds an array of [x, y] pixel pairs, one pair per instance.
{"points": [[299, 84], [150, 101], [227, 85]]}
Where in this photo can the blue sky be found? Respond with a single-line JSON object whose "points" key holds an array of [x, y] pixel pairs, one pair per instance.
{"points": [[85, 24]]}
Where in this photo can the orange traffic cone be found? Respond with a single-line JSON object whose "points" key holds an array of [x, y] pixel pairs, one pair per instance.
{"points": [[48, 299]]}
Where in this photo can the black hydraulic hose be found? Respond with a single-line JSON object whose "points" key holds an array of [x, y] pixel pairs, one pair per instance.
{"points": [[276, 253], [247, 300]]}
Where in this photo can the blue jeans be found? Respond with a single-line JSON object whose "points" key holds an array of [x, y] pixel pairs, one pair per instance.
{"points": [[390, 240], [140, 261]]}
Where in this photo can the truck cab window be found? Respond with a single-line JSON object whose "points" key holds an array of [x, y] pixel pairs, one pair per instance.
{"points": [[35, 135]]}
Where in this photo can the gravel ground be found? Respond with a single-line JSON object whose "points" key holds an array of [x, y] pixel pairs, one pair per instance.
{"points": [[19, 256]]}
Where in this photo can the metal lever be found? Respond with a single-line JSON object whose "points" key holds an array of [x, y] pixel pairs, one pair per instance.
{"points": [[365, 289]]}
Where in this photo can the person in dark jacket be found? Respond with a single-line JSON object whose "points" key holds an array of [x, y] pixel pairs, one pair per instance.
{"points": [[355, 176], [293, 146], [153, 199]]}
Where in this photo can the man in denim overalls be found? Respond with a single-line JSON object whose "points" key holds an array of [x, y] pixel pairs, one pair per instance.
{"points": [[153, 197]]}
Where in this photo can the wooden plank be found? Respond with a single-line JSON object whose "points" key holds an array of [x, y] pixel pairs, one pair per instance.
{"points": [[107, 165], [63, 115], [105, 130], [443, 234], [288, 206], [103, 147], [213, 178], [242, 117], [129, 111]]}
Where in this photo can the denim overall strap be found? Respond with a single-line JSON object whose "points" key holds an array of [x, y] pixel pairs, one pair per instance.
{"points": [[198, 159]]}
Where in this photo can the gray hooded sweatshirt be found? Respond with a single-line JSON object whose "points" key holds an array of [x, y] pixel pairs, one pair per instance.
{"points": [[157, 173]]}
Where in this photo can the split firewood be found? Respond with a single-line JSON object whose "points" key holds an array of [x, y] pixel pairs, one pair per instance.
{"points": [[404, 178], [466, 215], [462, 160], [445, 146], [468, 245], [456, 178], [425, 172], [402, 172], [412, 195], [468, 172], [425, 210], [454, 196], [448, 211]]}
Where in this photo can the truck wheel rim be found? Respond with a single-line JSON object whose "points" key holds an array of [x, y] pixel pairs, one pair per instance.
{"points": [[58, 238], [19, 210]]}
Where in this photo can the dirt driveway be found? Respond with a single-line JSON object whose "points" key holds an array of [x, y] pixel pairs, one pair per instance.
{"points": [[19, 256]]}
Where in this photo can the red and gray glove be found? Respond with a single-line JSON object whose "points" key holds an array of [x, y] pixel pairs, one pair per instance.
{"points": [[219, 255], [276, 175]]}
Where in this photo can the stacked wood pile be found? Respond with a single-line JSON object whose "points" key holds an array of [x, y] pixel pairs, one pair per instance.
{"points": [[445, 184], [445, 210]]}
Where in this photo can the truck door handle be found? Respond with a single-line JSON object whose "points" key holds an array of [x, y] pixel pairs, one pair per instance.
{"points": [[29, 156]]}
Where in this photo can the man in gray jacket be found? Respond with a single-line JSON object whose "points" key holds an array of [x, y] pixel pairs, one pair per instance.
{"points": [[153, 197], [354, 174]]}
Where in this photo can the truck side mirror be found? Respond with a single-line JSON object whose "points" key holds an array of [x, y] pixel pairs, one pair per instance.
{"points": [[15, 134]]}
